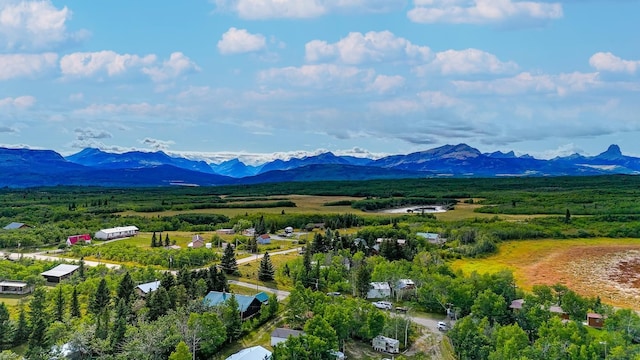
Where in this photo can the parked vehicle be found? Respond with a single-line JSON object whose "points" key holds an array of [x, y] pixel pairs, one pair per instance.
{"points": [[383, 305], [442, 326]]}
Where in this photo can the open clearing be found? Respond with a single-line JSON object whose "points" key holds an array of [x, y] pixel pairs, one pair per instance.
{"points": [[608, 268]]}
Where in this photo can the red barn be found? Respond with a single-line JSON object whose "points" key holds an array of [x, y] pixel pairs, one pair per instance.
{"points": [[72, 240]]}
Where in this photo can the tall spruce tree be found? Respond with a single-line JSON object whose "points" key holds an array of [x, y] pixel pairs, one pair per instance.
{"points": [[74, 311], [38, 318], [260, 227], [59, 303], [126, 288], [228, 262], [21, 335], [266, 271], [81, 268], [101, 298], [167, 242], [232, 318], [102, 325], [119, 324], [154, 240], [6, 328]]}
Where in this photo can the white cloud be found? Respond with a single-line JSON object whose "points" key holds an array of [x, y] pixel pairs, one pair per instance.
{"points": [[319, 75], [139, 109], [86, 64], [384, 83], [8, 129], [269, 9], [21, 102], [89, 133], [526, 82], [437, 99], [482, 11], [608, 62], [19, 65], [237, 41], [373, 46], [157, 144], [468, 61], [177, 65], [34, 24]]}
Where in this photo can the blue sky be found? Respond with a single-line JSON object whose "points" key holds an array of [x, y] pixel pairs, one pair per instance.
{"points": [[278, 78]]}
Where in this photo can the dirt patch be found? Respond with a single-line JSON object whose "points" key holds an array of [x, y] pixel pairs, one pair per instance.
{"points": [[611, 272]]}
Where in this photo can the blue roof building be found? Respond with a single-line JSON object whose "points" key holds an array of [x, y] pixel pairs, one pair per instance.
{"points": [[16, 225], [144, 289], [247, 305]]}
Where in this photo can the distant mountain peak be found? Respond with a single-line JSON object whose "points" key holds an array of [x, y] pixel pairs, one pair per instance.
{"points": [[613, 152]]}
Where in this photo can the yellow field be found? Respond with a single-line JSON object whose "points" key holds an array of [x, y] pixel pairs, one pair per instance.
{"points": [[591, 267]]}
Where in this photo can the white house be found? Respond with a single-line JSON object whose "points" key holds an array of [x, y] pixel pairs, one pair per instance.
{"points": [[117, 232], [252, 353], [281, 334], [379, 290], [383, 343]]}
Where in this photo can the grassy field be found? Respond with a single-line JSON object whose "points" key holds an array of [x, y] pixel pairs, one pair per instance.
{"points": [[249, 272], [591, 267]]}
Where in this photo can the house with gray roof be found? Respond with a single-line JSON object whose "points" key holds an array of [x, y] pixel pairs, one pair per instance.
{"points": [[281, 334], [145, 289]]}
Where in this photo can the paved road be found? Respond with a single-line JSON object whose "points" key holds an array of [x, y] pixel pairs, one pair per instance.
{"points": [[281, 294]]}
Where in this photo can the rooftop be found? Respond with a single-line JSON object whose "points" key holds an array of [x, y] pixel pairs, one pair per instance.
{"points": [[149, 287], [214, 298], [285, 333], [252, 353], [61, 270], [14, 225]]}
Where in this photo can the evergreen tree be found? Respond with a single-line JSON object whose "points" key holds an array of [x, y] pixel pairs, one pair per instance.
{"points": [[100, 299], [232, 318], [212, 279], [75, 305], [102, 325], [38, 318], [182, 352], [6, 328], [167, 242], [158, 303], [21, 335], [168, 281], [228, 261], [253, 244], [567, 217], [184, 279], [59, 303], [266, 271], [363, 279], [119, 324], [154, 240], [126, 288], [81, 268], [260, 226]]}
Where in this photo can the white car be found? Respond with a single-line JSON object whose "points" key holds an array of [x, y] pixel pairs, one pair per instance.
{"points": [[442, 326], [383, 305]]}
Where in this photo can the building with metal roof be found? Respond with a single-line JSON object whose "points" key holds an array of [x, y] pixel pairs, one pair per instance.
{"points": [[146, 288], [252, 353], [117, 232], [60, 272], [247, 305], [16, 225]]}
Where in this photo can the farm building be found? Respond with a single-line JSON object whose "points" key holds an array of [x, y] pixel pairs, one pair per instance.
{"points": [[14, 287], [383, 343], [247, 305], [74, 239], [117, 232], [251, 232], [145, 289], [264, 239], [432, 238], [379, 290], [16, 225], [281, 334], [595, 320], [59, 273], [252, 353], [225, 231], [197, 241]]}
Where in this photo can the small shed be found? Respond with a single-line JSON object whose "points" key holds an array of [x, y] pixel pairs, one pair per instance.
{"points": [[14, 287], [197, 241], [264, 239], [16, 225], [252, 353], [405, 287], [74, 239], [595, 320], [555, 309], [386, 344], [249, 232], [145, 289], [281, 334], [379, 290], [60, 272]]}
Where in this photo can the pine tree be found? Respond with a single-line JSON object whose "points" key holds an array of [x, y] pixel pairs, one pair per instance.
{"points": [[101, 298], [167, 242], [266, 271], [59, 304], [182, 352], [21, 335], [81, 268], [153, 240], [184, 279], [260, 226], [38, 319], [567, 217], [75, 305], [119, 324], [232, 318], [6, 328], [158, 303], [168, 281], [363, 279], [126, 288], [102, 325], [228, 261]]}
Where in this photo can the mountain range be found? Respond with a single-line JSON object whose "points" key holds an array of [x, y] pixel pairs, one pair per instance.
{"points": [[94, 167]]}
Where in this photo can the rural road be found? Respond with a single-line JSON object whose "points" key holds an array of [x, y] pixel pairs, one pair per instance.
{"points": [[281, 294]]}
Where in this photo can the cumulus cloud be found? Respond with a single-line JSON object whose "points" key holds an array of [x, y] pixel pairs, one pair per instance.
{"points": [[156, 144], [526, 82], [177, 65], [237, 41], [89, 133], [320, 76], [21, 102], [608, 62], [85, 64], [384, 83], [468, 61], [25, 65], [357, 48], [483, 11], [269, 9], [138, 109], [26, 25]]}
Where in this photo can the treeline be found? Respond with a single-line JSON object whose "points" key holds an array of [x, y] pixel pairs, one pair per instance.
{"points": [[387, 203]]}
